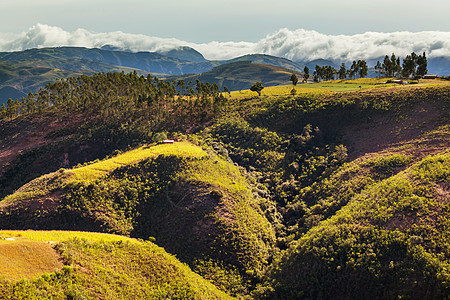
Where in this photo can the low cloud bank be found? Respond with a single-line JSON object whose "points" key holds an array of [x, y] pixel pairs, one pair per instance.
{"points": [[297, 45], [308, 45]]}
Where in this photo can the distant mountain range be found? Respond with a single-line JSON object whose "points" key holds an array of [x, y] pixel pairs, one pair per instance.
{"points": [[147, 61], [26, 71]]}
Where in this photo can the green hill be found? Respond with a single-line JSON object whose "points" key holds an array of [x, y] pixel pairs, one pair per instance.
{"points": [[241, 75], [97, 266], [197, 206], [72, 61], [387, 242], [18, 78], [339, 191], [269, 60], [148, 61], [184, 53], [26, 71]]}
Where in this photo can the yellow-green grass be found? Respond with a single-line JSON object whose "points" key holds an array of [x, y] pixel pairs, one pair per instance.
{"points": [[319, 88], [93, 266], [29, 253], [98, 169], [353, 85], [46, 183], [280, 90], [27, 259], [326, 87], [59, 235]]}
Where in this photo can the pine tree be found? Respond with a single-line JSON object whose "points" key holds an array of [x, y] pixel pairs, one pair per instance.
{"points": [[386, 67], [422, 65], [409, 66], [378, 68], [294, 79], [319, 72], [354, 68], [362, 68], [342, 72], [306, 74]]}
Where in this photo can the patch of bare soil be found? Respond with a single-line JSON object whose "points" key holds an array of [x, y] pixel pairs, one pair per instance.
{"points": [[25, 133], [443, 192], [388, 131], [402, 222], [199, 204], [43, 203]]}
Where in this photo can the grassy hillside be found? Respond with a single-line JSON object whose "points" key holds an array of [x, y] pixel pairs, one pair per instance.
{"points": [[337, 191], [326, 87], [26, 259], [95, 266], [268, 60], [148, 61], [390, 240], [198, 207], [242, 75], [18, 78]]}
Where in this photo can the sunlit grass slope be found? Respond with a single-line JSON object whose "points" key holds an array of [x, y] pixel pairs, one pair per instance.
{"points": [[198, 206], [201, 209], [60, 235], [29, 254], [95, 170], [326, 87], [27, 259], [99, 266]]}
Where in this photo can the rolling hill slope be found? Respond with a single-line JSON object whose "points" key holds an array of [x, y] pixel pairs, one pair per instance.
{"points": [[268, 60], [339, 191], [242, 75], [93, 266], [385, 243], [148, 61], [20, 77], [73, 61], [170, 192], [27, 71]]}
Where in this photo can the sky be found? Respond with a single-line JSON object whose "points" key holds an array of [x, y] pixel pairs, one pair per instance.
{"points": [[201, 21], [222, 29]]}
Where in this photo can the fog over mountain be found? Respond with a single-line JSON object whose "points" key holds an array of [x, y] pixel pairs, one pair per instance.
{"points": [[297, 45]]}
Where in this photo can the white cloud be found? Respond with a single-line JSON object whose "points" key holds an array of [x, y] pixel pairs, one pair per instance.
{"points": [[307, 45], [299, 45]]}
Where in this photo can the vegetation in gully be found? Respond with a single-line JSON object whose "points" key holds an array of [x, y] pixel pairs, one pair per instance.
{"points": [[337, 189]]}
